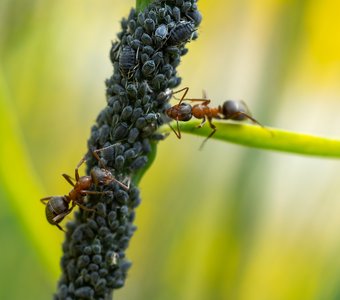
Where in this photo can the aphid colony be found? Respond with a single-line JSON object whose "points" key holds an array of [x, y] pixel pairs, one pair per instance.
{"points": [[145, 61], [144, 57]]}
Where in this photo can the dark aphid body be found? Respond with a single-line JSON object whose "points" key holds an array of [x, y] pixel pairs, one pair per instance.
{"points": [[161, 32], [58, 207], [181, 33], [231, 109], [127, 60]]}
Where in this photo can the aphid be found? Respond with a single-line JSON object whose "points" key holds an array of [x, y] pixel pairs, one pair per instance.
{"points": [[161, 32], [148, 68], [180, 33], [229, 110], [58, 207], [149, 25], [127, 60]]}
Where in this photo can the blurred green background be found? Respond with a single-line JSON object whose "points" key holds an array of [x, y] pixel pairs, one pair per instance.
{"points": [[223, 223]]}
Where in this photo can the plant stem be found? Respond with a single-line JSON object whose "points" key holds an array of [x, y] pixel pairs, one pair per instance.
{"points": [[265, 138], [141, 4]]}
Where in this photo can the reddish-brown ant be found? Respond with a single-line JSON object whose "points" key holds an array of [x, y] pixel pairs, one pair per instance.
{"points": [[230, 110], [58, 207]]}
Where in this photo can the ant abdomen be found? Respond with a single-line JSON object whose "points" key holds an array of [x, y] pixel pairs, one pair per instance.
{"points": [[56, 206], [235, 110]]}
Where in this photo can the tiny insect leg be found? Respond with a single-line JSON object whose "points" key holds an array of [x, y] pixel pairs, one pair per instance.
{"points": [[95, 154], [186, 90], [202, 123], [178, 132], [240, 113], [124, 186], [76, 171], [45, 199], [213, 127], [60, 228], [205, 101], [63, 215], [68, 178]]}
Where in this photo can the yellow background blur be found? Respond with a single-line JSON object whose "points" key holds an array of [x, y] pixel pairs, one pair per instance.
{"points": [[223, 223]]}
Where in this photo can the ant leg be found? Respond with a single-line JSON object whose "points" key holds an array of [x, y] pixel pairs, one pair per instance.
{"points": [[45, 199], [95, 154], [202, 123], [240, 113], [213, 127], [68, 179], [84, 207], [205, 101], [76, 172], [63, 215], [128, 182], [186, 89], [178, 132], [60, 228], [124, 186], [86, 192]]}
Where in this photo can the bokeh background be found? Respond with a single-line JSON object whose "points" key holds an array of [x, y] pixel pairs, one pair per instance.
{"points": [[227, 222]]}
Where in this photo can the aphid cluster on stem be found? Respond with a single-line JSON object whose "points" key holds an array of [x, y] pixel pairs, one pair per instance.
{"points": [[144, 58]]}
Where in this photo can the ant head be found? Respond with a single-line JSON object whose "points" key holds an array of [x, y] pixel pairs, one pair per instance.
{"points": [[100, 176], [184, 112], [235, 110]]}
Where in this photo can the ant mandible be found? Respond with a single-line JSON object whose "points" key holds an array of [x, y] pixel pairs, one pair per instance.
{"points": [[229, 110], [58, 207]]}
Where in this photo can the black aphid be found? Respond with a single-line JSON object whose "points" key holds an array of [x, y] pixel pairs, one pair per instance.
{"points": [[127, 60], [181, 33]]}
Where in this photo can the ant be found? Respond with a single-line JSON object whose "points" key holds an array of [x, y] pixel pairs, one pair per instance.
{"points": [[229, 110], [58, 207]]}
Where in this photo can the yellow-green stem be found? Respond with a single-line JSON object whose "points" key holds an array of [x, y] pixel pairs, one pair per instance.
{"points": [[265, 138], [141, 4]]}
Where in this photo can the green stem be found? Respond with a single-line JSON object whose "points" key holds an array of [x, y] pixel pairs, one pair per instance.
{"points": [[265, 138], [151, 157], [141, 4]]}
